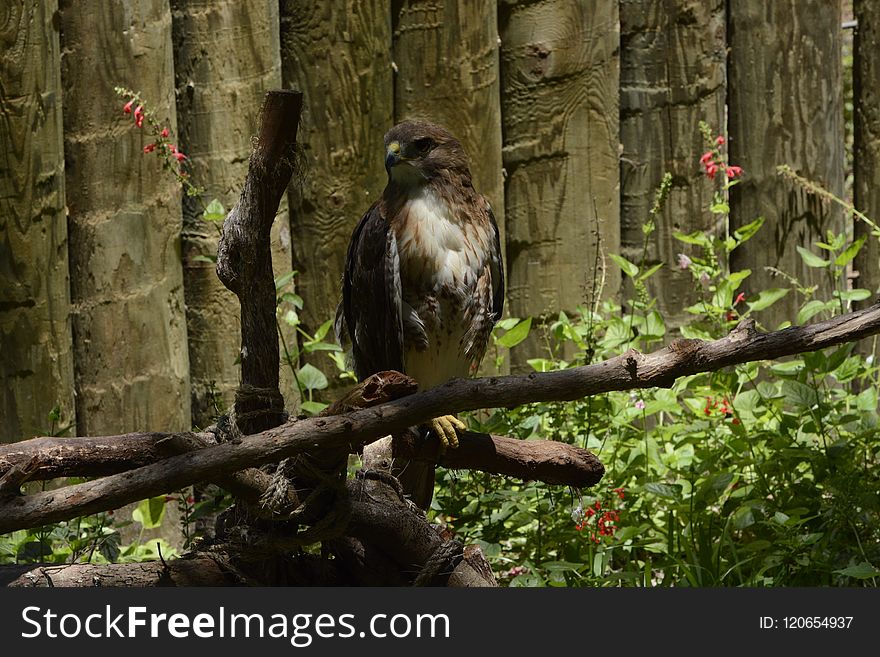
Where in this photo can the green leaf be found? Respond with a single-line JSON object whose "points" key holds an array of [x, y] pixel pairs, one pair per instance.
{"points": [[744, 233], [743, 517], [311, 378], [768, 297], [811, 259], [649, 272], [507, 324], [541, 364], [517, 334], [214, 212], [853, 295], [699, 238], [628, 268], [864, 570], [284, 279], [322, 330], [810, 309], [204, 258], [850, 252], [670, 491], [149, 513], [313, 407]]}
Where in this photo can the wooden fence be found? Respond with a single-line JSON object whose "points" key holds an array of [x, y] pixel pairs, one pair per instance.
{"points": [[571, 111]]}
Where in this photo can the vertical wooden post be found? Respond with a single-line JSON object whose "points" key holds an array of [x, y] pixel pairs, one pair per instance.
{"points": [[338, 55], [785, 107], [132, 367], [36, 361], [672, 76], [559, 103], [226, 56], [447, 71], [866, 117]]}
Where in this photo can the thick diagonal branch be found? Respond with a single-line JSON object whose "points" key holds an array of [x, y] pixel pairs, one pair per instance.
{"points": [[355, 429]]}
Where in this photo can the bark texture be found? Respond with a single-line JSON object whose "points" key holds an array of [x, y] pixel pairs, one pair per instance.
{"points": [[129, 328], [866, 119], [36, 360], [226, 56], [352, 430], [786, 107], [672, 76], [559, 101], [338, 55]]}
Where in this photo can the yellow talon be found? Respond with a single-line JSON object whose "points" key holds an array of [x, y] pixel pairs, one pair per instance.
{"points": [[445, 427]]}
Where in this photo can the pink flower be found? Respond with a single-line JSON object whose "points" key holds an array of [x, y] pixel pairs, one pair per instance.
{"points": [[734, 171], [739, 297], [706, 158], [683, 261], [127, 107], [640, 404], [139, 116], [165, 133], [719, 140], [711, 170], [149, 148], [180, 157]]}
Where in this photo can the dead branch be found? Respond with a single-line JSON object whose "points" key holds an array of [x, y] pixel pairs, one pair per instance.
{"points": [[244, 260], [355, 429]]}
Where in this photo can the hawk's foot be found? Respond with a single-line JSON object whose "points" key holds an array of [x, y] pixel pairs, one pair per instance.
{"points": [[445, 427]]}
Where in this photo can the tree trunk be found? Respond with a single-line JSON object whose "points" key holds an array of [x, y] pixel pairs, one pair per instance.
{"points": [[132, 368], [36, 361], [559, 100], [785, 107], [338, 55], [672, 76], [226, 57]]}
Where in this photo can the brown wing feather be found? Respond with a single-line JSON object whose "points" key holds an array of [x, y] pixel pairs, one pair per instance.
{"points": [[371, 299]]}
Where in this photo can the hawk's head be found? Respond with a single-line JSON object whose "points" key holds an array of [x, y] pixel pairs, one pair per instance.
{"points": [[419, 151]]}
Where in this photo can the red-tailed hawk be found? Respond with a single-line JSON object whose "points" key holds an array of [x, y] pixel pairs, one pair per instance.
{"points": [[424, 281]]}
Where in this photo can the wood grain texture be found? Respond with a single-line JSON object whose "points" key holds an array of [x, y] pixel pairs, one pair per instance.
{"points": [[132, 368], [338, 55], [36, 358], [866, 119], [447, 71], [631, 370], [226, 56], [672, 76], [559, 100], [785, 107]]}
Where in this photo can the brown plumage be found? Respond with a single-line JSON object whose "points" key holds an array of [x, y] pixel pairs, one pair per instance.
{"points": [[424, 282]]}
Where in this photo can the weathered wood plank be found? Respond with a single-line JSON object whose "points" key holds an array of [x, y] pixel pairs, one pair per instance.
{"points": [[338, 55], [559, 81], [36, 359], [129, 330], [785, 107], [227, 55], [866, 149], [672, 76]]}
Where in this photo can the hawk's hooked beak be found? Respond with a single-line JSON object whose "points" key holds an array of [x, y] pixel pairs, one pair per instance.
{"points": [[392, 155]]}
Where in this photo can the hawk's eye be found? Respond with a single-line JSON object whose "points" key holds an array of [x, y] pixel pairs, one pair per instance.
{"points": [[424, 144]]}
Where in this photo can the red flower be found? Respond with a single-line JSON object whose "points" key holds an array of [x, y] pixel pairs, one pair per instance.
{"points": [[736, 420], [180, 157], [139, 116], [149, 148], [739, 297], [719, 140], [706, 158], [711, 170], [164, 133], [730, 316], [598, 505], [733, 171], [619, 492], [127, 107]]}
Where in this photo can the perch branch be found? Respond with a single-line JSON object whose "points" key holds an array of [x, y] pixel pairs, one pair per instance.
{"points": [[357, 428]]}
